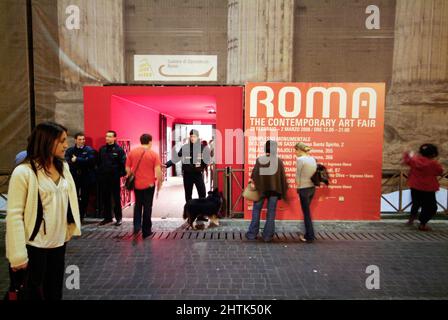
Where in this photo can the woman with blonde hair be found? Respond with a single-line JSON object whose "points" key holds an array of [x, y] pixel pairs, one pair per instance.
{"points": [[42, 213]]}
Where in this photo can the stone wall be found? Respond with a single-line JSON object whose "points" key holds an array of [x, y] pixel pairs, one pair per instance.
{"points": [[14, 85], [417, 104]]}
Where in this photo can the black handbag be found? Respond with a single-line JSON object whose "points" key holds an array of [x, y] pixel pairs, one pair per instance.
{"points": [[19, 289], [130, 180]]}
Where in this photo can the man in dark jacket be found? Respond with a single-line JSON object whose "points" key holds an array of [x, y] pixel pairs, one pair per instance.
{"points": [[111, 167], [81, 160], [195, 158]]}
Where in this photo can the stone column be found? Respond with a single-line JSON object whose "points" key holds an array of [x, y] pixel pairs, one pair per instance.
{"points": [[90, 55], [417, 102], [260, 40]]}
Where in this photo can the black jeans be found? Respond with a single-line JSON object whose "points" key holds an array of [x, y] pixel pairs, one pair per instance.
{"points": [[110, 187], [83, 191], [45, 273], [426, 200], [306, 196], [194, 178], [143, 200]]}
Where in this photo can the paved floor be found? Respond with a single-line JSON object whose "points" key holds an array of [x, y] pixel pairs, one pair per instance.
{"points": [[171, 200], [201, 265]]}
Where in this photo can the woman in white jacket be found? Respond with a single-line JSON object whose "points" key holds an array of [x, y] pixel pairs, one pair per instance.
{"points": [[42, 213]]}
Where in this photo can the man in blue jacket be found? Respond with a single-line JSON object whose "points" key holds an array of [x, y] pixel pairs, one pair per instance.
{"points": [[81, 160]]}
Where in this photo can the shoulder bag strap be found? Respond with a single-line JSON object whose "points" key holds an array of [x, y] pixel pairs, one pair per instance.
{"points": [[40, 211], [138, 164]]}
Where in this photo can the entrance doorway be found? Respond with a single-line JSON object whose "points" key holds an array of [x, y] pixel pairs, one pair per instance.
{"points": [[168, 114]]}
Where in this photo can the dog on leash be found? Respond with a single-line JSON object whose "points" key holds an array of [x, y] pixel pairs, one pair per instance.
{"points": [[204, 209]]}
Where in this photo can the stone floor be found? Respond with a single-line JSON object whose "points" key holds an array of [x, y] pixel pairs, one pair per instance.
{"points": [[113, 265]]}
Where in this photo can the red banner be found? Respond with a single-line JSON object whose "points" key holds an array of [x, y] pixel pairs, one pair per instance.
{"points": [[343, 124]]}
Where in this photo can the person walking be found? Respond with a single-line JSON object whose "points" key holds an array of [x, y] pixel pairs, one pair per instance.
{"points": [[145, 165], [269, 178], [305, 168], [422, 179], [42, 214]]}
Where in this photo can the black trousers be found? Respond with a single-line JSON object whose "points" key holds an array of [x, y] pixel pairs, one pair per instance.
{"points": [[143, 200], [426, 201], [193, 178], [110, 188], [44, 277], [83, 187]]}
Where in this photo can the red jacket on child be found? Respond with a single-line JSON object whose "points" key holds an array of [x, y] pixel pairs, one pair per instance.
{"points": [[423, 173]]}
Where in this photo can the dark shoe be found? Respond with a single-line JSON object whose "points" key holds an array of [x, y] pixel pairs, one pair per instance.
{"points": [[424, 227], [105, 221], [250, 238], [118, 223], [410, 221], [148, 235], [303, 239]]}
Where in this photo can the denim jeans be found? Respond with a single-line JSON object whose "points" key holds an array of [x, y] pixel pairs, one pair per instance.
{"points": [[143, 200], [306, 195], [269, 228]]}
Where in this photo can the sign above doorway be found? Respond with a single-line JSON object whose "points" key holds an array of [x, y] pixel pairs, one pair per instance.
{"points": [[175, 67]]}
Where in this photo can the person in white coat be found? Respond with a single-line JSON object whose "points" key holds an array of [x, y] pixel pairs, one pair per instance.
{"points": [[42, 213]]}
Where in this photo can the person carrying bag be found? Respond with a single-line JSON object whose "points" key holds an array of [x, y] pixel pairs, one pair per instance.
{"points": [[130, 180], [42, 216], [148, 181]]}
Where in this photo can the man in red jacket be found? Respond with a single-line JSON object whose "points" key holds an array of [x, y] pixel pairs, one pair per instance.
{"points": [[423, 183]]}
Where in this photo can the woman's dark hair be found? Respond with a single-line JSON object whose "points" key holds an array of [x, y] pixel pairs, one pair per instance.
{"points": [[271, 147], [429, 150], [41, 143]]}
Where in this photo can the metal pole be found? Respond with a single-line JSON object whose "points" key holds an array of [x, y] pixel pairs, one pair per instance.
{"points": [[400, 193], [29, 26], [228, 188], [230, 192]]}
